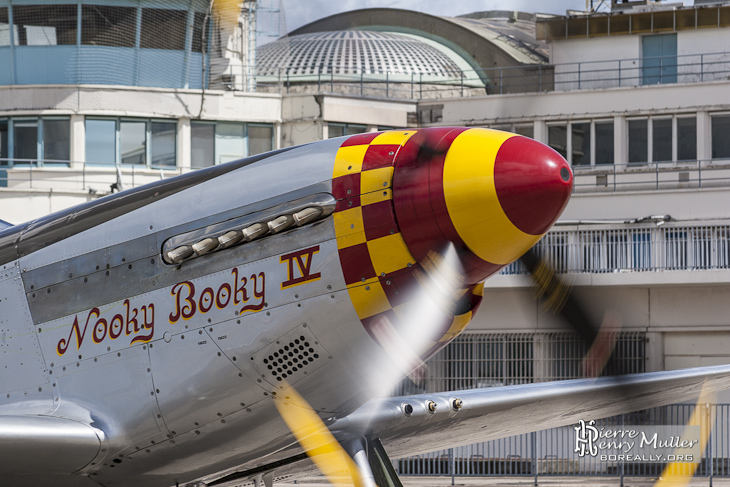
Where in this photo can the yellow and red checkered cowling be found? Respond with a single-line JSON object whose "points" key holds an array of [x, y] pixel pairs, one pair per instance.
{"points": [[404, 194]]}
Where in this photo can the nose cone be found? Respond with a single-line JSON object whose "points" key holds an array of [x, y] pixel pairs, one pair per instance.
{"points": [[533, 184], [490, 193], [503, 192]]}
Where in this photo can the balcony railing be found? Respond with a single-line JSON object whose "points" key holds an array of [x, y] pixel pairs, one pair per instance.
{"points": [[585, 75], [652, 176], [65, 176], [641, 248], [80, 176]]}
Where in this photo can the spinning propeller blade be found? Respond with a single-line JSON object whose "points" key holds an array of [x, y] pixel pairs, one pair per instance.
{"points": [[316, 440]]}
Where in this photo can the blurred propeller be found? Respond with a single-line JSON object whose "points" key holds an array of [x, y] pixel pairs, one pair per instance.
{"points": [[316, 440], [557, 296]]}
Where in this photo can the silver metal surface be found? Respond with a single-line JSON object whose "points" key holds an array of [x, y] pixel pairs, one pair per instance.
{"points": [[45, 443], [247, 227], [23, 378], [135, 268], [504, 411]]}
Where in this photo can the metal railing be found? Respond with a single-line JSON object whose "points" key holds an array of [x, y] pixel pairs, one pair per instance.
{"points": [[552, 452], [82, 176], [635, 248], [584, 75], [652, 176], [97, 178]]}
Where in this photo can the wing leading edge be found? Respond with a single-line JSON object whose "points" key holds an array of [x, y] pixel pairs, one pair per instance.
{"points": [[487, 414]]}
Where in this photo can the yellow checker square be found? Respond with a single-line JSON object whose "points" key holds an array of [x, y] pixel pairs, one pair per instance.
{"points": [[349, 160], [389, 254], [376, 197], [393, 137], [349, 227], [457, 325], [376, 179], [368, 298]]}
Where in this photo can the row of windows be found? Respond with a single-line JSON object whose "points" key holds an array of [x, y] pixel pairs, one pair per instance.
{"points": [[148, 142], [664, 138], [50, 25]]}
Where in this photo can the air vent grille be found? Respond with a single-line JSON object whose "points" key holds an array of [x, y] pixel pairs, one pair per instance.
{"points": [[290, 357]]}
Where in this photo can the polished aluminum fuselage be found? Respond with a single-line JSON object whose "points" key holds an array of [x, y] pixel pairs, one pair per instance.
{"points": [[170, 363]]}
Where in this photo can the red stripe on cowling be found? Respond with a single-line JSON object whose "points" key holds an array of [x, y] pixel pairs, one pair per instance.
{"points": [[379, 156], [379, 220], [411, 188], [360, 139], [348, 203], [420, 205], [346, 186], [399, 286], [356, 264], [533, 184]]}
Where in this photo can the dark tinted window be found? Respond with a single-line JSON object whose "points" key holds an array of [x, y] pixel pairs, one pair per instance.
{"points": [[686, 138], [662, 140], [202, 144], [163, 29], [4, 31], [581, 139], [604, 142], [56, 140], [638, 140], [199, 22], [3, 142], [108, 26], [45, 25], [720, 139]]}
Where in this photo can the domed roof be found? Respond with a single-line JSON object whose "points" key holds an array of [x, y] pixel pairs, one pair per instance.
{"points": [[354, 52]]}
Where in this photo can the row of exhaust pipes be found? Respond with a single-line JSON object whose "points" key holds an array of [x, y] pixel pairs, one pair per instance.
{"points": [[243, 235]]}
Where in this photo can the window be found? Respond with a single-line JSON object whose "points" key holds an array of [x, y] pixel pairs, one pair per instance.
{"points": [[35, 140], [686, 138], [101, 141], [528, 130], [335, 130], [580, 134], [163, 136], [558, 139], [341, 129], [604, 142], [4, 27], [124, 141], [720, 139], [260, 139], [198, 31], [230, 141], [25, 141], [44, 25], [661, 139], [56, 140], [4, 152], [132, 142], [659, 59], [108, 26], [583, 143], [163, 29], [638, 141], [202, 141]]}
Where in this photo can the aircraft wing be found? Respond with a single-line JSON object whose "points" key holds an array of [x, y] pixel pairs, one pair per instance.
{"points": [[46, 445], [499, 412]]}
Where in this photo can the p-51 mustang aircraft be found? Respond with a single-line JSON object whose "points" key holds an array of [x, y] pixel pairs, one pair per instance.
{"points": [[203, 330]]}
